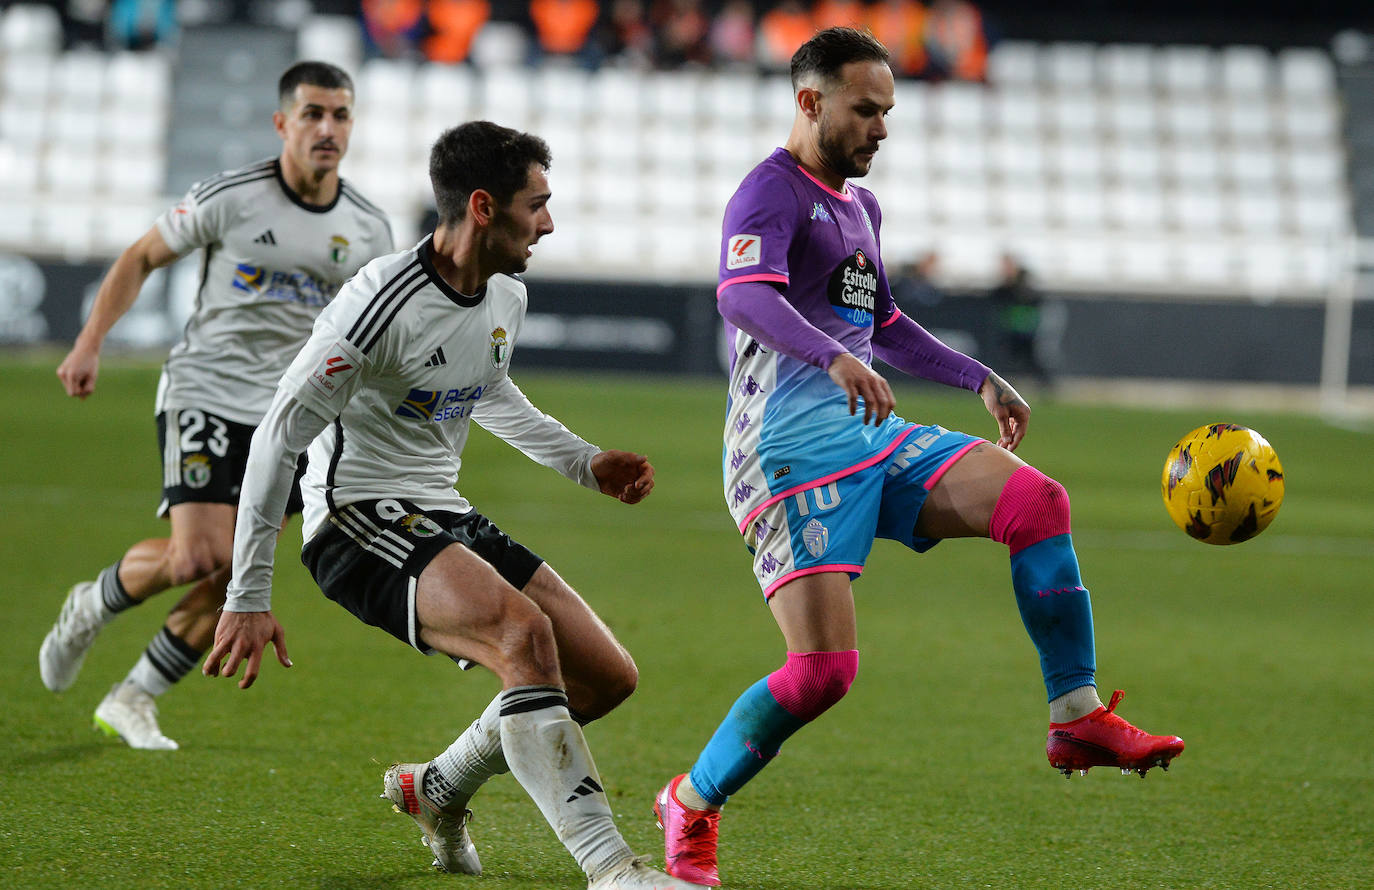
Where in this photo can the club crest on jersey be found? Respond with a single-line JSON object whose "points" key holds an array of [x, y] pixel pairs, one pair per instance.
{"points": [[816, 537], [853, 289], [500, 347], [743, 250], [195, 471], [338, 250], [420, 525]]}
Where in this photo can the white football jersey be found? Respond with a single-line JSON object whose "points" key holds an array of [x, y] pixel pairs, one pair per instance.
{"points": [[271, 263], [400, 363]]}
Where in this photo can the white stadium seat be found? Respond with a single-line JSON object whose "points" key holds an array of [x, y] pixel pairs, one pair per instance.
{"points": [[1014, 62], [1306, 72], [1246, 70], [1070, 67], [1017, 112], [1187, 69], [1127, 68]]}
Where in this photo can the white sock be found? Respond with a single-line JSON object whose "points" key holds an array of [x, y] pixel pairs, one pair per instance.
{"points": [[147, 677], [474, 758], [549, 756], [1074, 704]]}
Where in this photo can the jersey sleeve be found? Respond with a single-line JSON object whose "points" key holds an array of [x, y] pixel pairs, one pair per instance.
{"points": [[505, 411], [330, 366], [756, 234], [195, 222]]}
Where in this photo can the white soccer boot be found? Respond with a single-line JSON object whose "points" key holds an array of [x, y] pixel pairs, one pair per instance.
{"points": [[66, 645], [634, 874], [130, 713], [445, 832]]}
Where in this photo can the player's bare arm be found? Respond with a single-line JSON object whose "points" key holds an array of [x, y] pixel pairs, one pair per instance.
{"points": [[1010, 410], [117, 293], [624, 475], [859, 380], [242, 637]]}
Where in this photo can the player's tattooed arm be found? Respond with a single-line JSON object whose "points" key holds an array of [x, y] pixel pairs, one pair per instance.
{"points": [[1008, 408]]}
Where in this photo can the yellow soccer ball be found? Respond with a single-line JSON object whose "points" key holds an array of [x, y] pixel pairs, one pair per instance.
{"points": [[1222, 483]]}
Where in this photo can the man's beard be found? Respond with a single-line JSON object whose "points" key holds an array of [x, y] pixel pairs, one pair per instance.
{"points": [[832, 152]]}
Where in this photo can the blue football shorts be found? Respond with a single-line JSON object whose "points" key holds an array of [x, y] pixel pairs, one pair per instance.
{"points": [[830, 524]]}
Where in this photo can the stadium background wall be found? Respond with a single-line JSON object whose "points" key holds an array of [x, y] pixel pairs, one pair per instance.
{"points": [[624, 326]]}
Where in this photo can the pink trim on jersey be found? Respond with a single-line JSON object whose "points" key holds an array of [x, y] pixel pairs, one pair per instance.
{"points": [[935, 477], [896, 314], [824, 480], [843, 196], [814, 570], [760, 276]]}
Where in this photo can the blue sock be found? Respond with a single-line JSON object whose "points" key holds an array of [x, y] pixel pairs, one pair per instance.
{"points": [[746, 740], [1057, 612]]}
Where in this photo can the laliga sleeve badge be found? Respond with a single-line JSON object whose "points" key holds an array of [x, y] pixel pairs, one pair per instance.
{"points": [[742, 251], [338, 365], [500, 348]]}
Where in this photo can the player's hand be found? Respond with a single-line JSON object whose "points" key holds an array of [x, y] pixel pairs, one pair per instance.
{"points": [[242, 636], [1011, 411], [78, 371], [860, 381], [624, 475]]}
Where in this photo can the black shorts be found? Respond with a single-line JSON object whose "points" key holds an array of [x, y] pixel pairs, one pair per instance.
{"points": [[205, 461], [370, 556]]}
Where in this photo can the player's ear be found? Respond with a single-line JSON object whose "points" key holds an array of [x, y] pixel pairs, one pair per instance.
{"points": [[809, 101], [481, 206], [279, 123]]}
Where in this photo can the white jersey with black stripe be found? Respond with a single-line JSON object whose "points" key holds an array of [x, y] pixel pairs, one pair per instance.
{"points": [[399, 364], [271, 263]]}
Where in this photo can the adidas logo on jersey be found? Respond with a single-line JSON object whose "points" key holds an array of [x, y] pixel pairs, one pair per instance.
{"points": [[266, 238], [587, 786], [436, 359]]}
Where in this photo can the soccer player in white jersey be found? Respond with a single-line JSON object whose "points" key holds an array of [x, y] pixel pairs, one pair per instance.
{"points": [[817, 465], [416, 347], [279, 238]]}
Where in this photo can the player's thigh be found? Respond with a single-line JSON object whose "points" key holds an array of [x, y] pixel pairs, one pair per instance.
{"points": [[816, 613], [203, 528], [463, 607], [961, 502], [588, 652]]}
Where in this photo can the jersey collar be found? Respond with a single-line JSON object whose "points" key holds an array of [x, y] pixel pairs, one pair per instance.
{"points": [[296, 199], [426, 255]]}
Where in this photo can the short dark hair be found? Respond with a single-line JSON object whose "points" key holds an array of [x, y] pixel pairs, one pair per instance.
{"points": [[830, 50], [481, 155], [315, 74]]}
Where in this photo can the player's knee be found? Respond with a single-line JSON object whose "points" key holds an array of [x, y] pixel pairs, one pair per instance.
{"points": [[811, 682], [1031, 508], [526, 644], [188, 564]]}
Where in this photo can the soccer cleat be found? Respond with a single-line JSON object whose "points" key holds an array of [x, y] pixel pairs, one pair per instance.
{"points": [[689, 837], [634, 874], [65, 646], [130, 713], [444, 832], [1104, 739]]}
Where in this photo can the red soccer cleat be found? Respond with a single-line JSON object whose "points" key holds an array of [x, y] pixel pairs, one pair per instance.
{"points": [[689, 837], [1104, 739]]}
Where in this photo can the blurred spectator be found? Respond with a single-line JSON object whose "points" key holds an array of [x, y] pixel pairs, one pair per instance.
{"points": [[563, 29], [837, 13], [681, 29], [84, 23], [626, 36], [914, 287], [393, 28], [732, 34], [900, 25], [782, 30], [452, 26], [1017, 307], [956, 46], [142, 24]]}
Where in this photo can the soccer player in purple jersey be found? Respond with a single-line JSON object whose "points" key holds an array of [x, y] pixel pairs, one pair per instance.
{"points": [[807, 305]]}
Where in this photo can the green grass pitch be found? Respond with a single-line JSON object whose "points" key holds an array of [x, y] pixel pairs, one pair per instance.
{"points": [[930, 774]]}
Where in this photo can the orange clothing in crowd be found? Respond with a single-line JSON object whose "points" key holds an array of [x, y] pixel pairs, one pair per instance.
{"points": [[900, 26], [454, 24], [562, 26], [956, 28], [390, 20], [782, 30], [838, 13]]}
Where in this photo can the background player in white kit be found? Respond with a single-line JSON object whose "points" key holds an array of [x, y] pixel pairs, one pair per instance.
{"points": [[415, 347], [280, 237]]}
